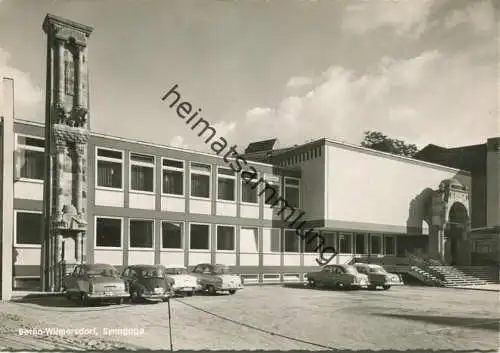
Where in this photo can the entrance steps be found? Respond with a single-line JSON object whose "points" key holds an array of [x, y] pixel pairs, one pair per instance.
{"points": [[454, 277]]}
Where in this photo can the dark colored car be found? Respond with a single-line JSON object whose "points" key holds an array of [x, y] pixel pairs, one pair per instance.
{"points": [[95, 283], [147, 282], [378, 276]]}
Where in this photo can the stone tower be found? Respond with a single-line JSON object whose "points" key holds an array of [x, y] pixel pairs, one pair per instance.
{"points": [[66, 140]]}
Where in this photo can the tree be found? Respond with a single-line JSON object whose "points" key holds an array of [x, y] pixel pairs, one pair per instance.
{"points": [[380, 142]]}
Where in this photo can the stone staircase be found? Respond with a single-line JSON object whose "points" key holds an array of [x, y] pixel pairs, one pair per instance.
{"points": [[490, 274], [453, 277]]}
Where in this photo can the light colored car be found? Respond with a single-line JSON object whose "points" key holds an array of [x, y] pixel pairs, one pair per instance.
{"points": [[378, 276], [147, 282], [338, 276], [183, 282], [95, 283], [217, 278]]}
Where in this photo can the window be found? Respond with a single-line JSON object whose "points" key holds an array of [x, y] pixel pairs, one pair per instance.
{"points": [[200, 180], [345, 243], [226, 184], [199, 237], [272, 192], [108, 232], [141, 233], [225, 238], [292, 243], [142, 171], [271, 240], [390, 245], [311, 242], [292, 192], [249, 240], [375, 244], [28, 228], [109, 168], [171, 235], [173, 177], [329, 240], [249, 189], [360, 243], [30, 157]]}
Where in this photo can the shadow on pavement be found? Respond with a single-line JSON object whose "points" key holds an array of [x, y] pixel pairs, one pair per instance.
{"points": [[464, 322], [55, 302], [319, 288]]}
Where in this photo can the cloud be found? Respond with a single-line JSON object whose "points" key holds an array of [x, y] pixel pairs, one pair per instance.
{"points": [[406, 17], [28, 96], [479, 14], [428, 98], [178, 141], [298, 82]]}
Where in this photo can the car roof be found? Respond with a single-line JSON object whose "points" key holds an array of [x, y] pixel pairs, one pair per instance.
{"points": [[146, 266], [367, 265], [174, 266]]}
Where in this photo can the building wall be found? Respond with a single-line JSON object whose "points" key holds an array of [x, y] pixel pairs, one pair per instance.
{"points": [[493, 182], [372, 191]]}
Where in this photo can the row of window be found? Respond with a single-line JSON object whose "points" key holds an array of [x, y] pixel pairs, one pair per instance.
{"points": [[142, 175], [108, 234]]}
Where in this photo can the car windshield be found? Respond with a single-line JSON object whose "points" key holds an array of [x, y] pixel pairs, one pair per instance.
{"points": [[176, 271], [221, 270], [102, 272], [351, 270], [377, 270], [153, 273]]}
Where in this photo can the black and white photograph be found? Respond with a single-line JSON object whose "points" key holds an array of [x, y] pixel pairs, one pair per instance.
{"points": [[243, 175]]}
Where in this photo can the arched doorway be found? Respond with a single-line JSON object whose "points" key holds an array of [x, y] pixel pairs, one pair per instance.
{"points": [[455, 233]]}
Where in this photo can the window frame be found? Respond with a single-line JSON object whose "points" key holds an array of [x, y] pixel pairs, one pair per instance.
{"points": [[107, 159], [18, 147], [182, 170], [141, 164], [257, 190], [209, 236], [200, 173], [183, 237], [225, 176], [270, 251], [217, 235], [393, 237], [299, 240], [381, 243], [15, 243], [121, 233], [258, 239], [152, 233], [298, 187], [349, 236], [304, 245]]}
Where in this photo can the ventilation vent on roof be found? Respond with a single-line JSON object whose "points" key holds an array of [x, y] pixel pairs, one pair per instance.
{"points": [[260, 146]]}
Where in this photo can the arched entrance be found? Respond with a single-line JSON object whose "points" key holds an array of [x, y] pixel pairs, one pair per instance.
{"points": [[455, 233]]}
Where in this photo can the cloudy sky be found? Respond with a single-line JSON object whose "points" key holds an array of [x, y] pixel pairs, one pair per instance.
{"points": [[424, 71]]}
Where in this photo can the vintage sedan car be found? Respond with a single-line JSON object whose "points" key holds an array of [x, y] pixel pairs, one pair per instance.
{"points": [[95, 283], [338, 276], [378, 276], [183, 282], [217, 278], [147, 282]]}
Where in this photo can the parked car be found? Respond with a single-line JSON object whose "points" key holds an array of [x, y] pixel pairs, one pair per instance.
{"points": [[217, 278], [95, 283], [378, 276], [147, 282], [183, 282], [338, 276]]}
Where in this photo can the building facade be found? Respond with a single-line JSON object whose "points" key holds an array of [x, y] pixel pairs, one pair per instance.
{"points": [[131, 202]]}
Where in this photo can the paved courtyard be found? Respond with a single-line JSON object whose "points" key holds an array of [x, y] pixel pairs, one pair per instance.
{"points": [[270, 317]]}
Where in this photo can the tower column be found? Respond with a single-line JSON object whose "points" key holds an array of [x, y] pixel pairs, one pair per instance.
{"points": [[78, 68], [60, 71], [79, 156], [59, 174]]}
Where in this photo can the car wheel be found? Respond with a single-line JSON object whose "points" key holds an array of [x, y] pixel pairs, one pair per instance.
{"points": [[339, 285], [311, 282], [372, 287], [84, 299], [211, 290], [386, 287], [232, 291], [134, 296], [119, 301]]}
